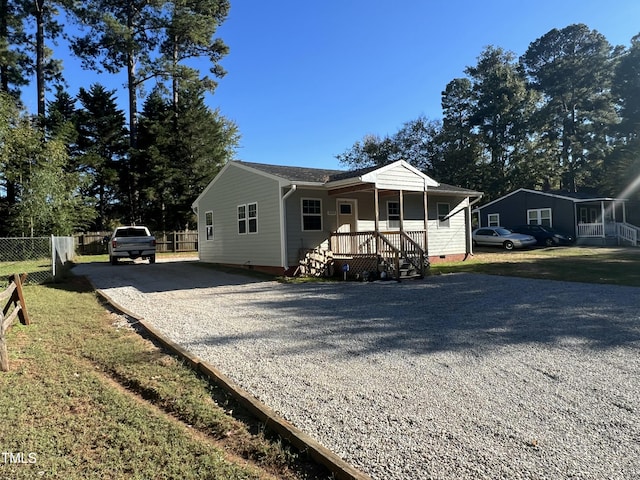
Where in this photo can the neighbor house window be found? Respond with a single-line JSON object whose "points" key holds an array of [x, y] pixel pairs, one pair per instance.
{"points": [[208, 225], [248, 218], [443, 214], [540, 216], [311, 214], [493, 219]]}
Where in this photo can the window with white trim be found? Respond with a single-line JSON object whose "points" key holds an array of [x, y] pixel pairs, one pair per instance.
{"points": [[443, 214], [584, 215], [248, 218], [208, 225], [242, 219], [493, 220], [253, 217], [311, 214], [539, 216], [393, 214]]}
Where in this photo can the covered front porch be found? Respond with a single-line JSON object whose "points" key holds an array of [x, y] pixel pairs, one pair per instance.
{"points": [[605, 223], [389, 220]]}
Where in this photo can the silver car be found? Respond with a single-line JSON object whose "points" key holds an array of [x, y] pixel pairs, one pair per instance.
{"points": [[501, 237]]}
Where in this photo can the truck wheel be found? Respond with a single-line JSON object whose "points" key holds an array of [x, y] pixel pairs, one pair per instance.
{"points": [[152, 259], [113, 260]]}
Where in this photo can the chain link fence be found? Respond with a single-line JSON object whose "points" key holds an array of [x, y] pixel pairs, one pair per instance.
{"points": [[44, 259]]}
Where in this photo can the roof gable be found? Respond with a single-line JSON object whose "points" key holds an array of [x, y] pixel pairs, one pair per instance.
{"points": [[395, 176], [574, 197]]}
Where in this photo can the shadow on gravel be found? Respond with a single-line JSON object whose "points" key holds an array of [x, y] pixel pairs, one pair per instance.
{"points": [[161, 276], [470, 312]]}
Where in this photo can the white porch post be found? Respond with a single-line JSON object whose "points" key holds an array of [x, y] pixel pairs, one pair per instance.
{"points": [[602, 219], [401, 211], [376, 202], [426, 223]]}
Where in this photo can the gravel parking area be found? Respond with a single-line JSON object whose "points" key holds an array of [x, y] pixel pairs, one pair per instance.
{"points": [[452, 377]]}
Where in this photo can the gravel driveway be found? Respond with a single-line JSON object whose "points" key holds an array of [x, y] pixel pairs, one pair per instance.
{"points": [[452, 377]]}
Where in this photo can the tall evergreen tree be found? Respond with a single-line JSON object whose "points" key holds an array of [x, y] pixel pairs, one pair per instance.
{"points": [[14, 56], [622, 166], [121, 35], [189, 34], [626, 91], [102, 150], [571, 67], [44, 14], [501, 106], [459, 162], [175, 164]]}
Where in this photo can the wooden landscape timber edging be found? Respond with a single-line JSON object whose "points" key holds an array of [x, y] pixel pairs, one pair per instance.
{"points": [[15, 307], [340, 469]]}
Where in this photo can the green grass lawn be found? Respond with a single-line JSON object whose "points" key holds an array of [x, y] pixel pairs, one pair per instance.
{"points": [[618, 266], [87, 398]]}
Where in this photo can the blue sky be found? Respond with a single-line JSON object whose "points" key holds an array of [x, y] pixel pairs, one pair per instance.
{"points": [[308, 79]]}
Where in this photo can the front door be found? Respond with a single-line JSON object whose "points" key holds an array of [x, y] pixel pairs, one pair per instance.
{"points": [[347, 220]]}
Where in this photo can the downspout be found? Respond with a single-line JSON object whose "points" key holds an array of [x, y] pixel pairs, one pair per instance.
{"points": [[195, 210], [283, 228]]}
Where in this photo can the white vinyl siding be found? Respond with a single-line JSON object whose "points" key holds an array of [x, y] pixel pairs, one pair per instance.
{"points": [[451, 240], [234, 187], [400, 178]]}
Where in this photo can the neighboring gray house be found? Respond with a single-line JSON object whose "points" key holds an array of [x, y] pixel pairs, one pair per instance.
{"points": [[286, 219], [591, 219]]}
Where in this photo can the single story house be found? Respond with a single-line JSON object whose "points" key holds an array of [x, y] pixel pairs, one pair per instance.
{"points": [[285, 219], [590, 218]]}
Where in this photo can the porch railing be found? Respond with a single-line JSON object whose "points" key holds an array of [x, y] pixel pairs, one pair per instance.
{"points": [[390, 246], [628, 232], [591, 230]]}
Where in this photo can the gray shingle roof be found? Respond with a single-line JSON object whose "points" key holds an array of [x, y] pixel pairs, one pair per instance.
{"points": [[320, 175], [296, 174]]}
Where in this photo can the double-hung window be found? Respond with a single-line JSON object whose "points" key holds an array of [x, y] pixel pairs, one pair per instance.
{"points": [[540, 216], [248, 218], [493, 219], [443, 214], [311, 214], [208, 222], [393, 214]]}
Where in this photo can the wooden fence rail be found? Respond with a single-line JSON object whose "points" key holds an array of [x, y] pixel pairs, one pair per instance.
{"points": [[15, 307], [96, 243]]}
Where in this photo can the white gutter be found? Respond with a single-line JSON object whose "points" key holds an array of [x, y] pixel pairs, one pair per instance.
{"points": [[283, 228]]}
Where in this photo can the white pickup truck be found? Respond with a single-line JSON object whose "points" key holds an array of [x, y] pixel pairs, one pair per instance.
{"points": [[132, 242]]}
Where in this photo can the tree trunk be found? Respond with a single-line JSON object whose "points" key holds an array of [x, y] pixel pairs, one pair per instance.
{"points": [[4, 34], [40, 54]]}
